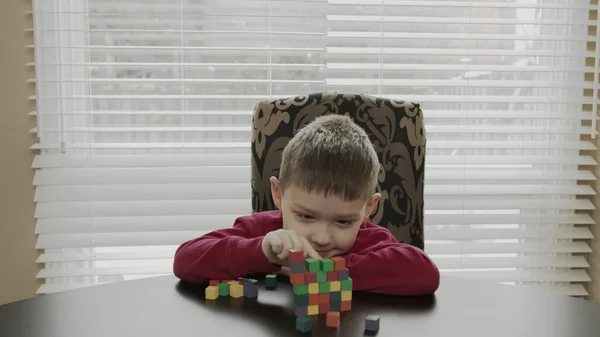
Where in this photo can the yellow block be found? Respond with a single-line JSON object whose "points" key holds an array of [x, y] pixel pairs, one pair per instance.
{"points": [[347, 295], [313, 310], [233, 282], [335, 286], [313, 288], [212, 293], [236, 290]]}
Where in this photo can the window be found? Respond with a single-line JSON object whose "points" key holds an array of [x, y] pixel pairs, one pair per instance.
{"points": [[144, 111]]}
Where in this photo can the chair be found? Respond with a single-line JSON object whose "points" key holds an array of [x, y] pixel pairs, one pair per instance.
{"points": [[396, 130]]}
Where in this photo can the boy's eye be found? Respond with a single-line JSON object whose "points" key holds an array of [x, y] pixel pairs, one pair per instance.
{"points": [[344, 222], [305, 217]]}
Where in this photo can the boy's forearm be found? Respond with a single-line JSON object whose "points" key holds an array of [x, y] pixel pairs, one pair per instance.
{"points": [[393, 269], [220, 257]]}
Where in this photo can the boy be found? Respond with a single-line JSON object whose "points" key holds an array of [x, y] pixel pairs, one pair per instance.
{"points": [[324, 197]]}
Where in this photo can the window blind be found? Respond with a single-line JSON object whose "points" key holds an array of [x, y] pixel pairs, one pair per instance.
{"points": [[144, 110]]}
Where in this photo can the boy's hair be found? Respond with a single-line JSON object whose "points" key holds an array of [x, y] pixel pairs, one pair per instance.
{"points": [[331, 155]]}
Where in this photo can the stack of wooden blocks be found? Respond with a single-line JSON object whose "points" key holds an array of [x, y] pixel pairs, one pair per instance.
{"points": [[320, 287], [236, 288]]}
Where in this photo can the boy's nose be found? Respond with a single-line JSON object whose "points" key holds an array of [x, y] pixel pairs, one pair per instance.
{"points": [[321, 238]]}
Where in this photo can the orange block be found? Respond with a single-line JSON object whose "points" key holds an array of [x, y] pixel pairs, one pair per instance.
{"points": [[339, 263], [324, 298], [213, 282], [346, 306], [297, 279], [313, 299], [333, 319]]}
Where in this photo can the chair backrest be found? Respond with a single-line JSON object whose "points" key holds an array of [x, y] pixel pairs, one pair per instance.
{"points": [[398, 135]]}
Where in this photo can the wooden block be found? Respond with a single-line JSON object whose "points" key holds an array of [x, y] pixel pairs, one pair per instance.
{"points": [[313, 310], [335, 296], [232, 282], [271, 281], [372, 323], [297, 268], [347, 284], [311, 277], [213, 282], [339, 263], [332, 276], [326, 265], [323, 308], [296, 256], [346, 295], [236, 290], [312, 265], [211, 292], [301, 289], [250, 290], [324, 287], [300, 311], [333, 319], [335, 286], [335, 306], [321, 276], [301, 300], [313, 299], [346, 306], [223, 289], [297, 279], [304, 324], [313, 288], [343, 274], [324, 298]]}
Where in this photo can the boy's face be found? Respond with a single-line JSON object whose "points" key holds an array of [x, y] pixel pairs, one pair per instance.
{"points": [[329, 223]]}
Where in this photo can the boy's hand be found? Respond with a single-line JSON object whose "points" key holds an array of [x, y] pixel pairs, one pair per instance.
{"points": [[276, 246]]}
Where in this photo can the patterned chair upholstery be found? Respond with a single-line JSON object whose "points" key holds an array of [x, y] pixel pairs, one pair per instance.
{"points": [[396, 130]]}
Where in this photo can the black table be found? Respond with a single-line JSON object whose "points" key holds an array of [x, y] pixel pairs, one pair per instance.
{"points": [[163, 306]]}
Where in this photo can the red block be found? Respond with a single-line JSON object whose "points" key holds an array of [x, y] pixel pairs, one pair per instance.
{"points": [[296, 255], [213, 282], [346, 306], [324, 298], [313, 299], [333, 319], [332, 276], [297, 279], [311, 278], [339, 263], [324, 308]]}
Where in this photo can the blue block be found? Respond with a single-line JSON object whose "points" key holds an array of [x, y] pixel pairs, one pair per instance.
{"points": [[297, 268]]}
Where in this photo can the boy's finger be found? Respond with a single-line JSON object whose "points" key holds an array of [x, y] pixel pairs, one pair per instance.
{"points": [[276, 244], [298, 243], [308, 248], [287, 245]]}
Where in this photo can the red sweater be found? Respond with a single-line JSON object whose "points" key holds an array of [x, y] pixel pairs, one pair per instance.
{"points": [[377, 262]]}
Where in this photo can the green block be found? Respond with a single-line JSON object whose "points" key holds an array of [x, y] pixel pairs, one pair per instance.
{"points": [[335, 306], [312, 265], [347, 284], [301, 289], [301, 300], [326, 265], [321, 276], [336, 296], [223, 289], [303, 324], [324, 287]]}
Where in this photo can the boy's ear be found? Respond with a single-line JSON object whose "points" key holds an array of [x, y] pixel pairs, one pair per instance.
{"points": [[371, 205], [276, 192]]}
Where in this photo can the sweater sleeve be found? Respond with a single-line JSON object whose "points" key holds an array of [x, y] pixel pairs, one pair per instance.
{"points": [[383, 265], [225, 254]]}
